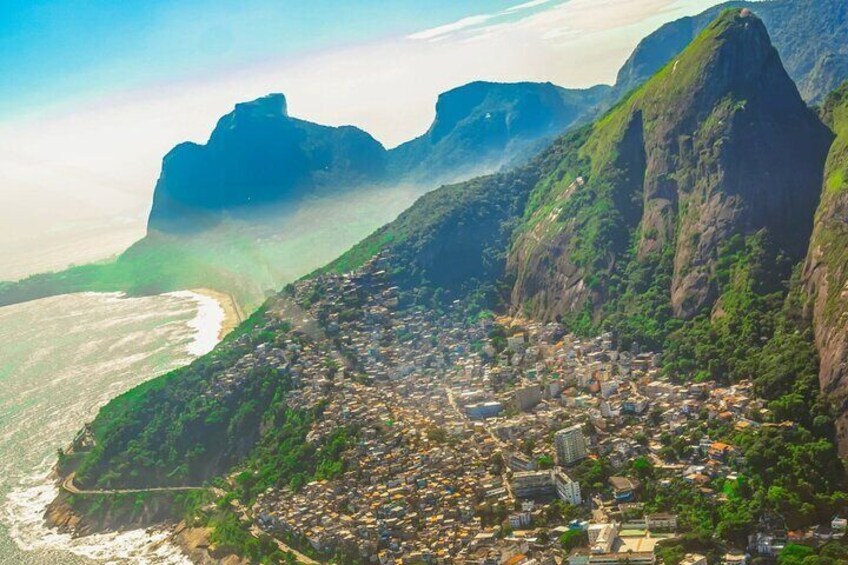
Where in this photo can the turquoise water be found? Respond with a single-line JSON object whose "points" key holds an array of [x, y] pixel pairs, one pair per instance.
{"points": [[62, 358]]}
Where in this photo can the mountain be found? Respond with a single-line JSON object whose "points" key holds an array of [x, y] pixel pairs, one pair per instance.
{"points": [[635, 216], [482, 126], [261, 164], [257, 156], [808, 34], [270, 197], [674, 220], [718, 144], [826, 268]]}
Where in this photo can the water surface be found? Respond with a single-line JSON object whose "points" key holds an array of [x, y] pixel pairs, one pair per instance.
{"points": [[61, 359]]}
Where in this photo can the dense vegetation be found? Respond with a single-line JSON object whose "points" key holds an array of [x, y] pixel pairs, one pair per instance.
{"points": [[184, 428], [633, 218], [453, 239], [756, 332]]}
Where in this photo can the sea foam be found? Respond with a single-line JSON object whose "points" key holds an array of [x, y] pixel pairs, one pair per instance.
{"points": [[206, 324]]}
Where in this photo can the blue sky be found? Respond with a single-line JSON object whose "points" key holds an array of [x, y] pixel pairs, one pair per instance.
{"points": [[94, 93], [64, 49]]}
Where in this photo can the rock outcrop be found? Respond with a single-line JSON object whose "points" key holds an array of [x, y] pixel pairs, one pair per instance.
{"points": [[808, 34], [482, 126], [825, 273], [259, 159], [718, 144], [259, 156]]}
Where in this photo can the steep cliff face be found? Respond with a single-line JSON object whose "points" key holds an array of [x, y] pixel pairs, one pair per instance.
{"points": [[259, 155], [719, 143], [826, 268], [482, 125]]}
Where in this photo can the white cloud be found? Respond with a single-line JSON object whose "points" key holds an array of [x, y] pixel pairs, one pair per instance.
{"points": [[441, 31], [527, 5]]}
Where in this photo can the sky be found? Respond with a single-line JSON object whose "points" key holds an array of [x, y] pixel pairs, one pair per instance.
{"points": [[95, 92]]}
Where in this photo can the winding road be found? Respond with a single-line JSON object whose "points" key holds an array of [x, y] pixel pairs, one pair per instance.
{"points": [[69, 486]]}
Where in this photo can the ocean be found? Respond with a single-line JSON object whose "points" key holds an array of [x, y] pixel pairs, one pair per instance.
{"points": [[61, 359]]}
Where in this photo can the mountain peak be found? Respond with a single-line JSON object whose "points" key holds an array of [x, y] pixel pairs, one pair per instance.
{"points": [[734, 53], [482, 126], [272, 105], [705, 151]]}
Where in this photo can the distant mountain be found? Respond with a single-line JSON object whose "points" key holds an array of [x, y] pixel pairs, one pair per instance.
{"points": [[808, 34], [482, 126], [257, 156], [826, 268]]}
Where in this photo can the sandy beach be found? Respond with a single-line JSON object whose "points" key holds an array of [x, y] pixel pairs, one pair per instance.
{"points": [[233, 314]]}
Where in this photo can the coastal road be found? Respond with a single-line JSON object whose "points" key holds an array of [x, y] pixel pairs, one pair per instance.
{"points": [[69, 486]]}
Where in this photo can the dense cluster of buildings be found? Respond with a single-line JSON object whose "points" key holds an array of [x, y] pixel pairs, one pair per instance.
{"points": [[468, 432]]}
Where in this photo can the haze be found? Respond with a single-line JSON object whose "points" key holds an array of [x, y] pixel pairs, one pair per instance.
{"points": [[81, 147]]}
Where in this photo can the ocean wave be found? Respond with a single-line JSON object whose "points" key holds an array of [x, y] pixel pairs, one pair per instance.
{"points": [[207, 323], [65, 357], [24, 511]]}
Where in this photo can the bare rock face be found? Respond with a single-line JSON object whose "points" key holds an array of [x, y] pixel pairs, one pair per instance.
{"points": [[717, 144], [260, 160], [825, 273], [258, 156]]}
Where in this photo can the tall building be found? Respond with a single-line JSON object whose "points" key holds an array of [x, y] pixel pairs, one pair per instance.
{"points": [[566, 488], [570, 445], [527, 397]]}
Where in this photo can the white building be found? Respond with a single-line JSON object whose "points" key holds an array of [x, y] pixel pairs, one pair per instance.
{"points": [[566, 488], [570, 445]]}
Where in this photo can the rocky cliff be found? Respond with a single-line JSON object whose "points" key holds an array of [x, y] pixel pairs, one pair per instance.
{"points": [[259, 155], [719, 143], [826, 268], [482, 125]]}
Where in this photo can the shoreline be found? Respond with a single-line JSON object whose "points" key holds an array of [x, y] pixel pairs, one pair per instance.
{"points": [[233, 314]]}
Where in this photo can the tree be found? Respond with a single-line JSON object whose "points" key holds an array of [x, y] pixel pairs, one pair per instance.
{"points": [[572, 539], [545, 462], [795, 554], [642, 468]]}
